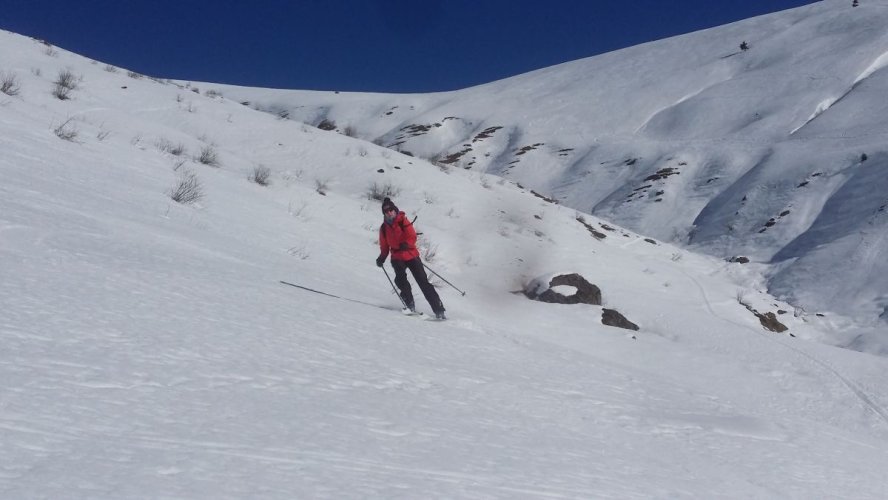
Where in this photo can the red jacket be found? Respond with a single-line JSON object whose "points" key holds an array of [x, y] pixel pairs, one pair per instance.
{"points": [[391, 236]]}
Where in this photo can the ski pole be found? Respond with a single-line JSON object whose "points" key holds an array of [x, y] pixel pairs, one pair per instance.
{"points": [[395, 289], [442, 279], [329, 294]]}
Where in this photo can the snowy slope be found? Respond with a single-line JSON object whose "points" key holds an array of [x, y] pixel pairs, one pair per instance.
{"points": [[149, 350], [755, 153]]}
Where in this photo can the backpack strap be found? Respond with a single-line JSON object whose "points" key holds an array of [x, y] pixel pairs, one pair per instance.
{"points": [[409, 221], [402, 224]]}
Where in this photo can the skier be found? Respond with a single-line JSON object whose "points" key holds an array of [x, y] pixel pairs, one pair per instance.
{"points": [[396, 234]]}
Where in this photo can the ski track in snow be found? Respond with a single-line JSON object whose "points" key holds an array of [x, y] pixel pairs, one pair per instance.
{"points": [[865, 399]]}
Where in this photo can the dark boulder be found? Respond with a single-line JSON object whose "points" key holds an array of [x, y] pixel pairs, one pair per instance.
{"points": [[586, 293], [770, 322], [610, 317]]}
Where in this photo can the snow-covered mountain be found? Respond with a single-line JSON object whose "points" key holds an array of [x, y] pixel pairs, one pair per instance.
{"points": [[149, 349], [775, 153]]}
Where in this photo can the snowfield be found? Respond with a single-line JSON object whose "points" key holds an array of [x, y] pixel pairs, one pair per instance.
{"points": [[149, 349]]}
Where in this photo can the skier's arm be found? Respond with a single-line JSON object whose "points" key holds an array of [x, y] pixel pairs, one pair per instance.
{"points": [[383, 246]]}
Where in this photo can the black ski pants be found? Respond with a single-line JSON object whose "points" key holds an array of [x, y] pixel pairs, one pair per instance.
{"points": [[419, 274]]}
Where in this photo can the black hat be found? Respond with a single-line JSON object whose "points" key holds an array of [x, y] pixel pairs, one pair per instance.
{"points": [[388, 204]]}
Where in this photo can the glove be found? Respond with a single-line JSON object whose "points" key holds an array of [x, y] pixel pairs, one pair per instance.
{"points": [[379, 261], [404, 246]]}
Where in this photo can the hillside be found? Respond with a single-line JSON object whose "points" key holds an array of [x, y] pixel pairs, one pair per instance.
{"points": [[150, 350], [775, 153]]}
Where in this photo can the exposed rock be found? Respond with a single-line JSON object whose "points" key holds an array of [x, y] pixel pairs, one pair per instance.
{"points": [[597, 234], [454, 157], [611, 317], [327, 125], [586, 293], [770, 322], [486, 133], [663, 173], [544, 198]]}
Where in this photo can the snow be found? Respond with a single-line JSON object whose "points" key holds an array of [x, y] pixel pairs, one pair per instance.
{"points": [[150, 350], [878, 64]]}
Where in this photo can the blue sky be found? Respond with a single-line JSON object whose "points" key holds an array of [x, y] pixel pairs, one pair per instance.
{"points": [[360, 45]]}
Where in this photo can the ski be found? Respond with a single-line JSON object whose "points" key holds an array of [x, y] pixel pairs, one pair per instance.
{"points": [[421, 315]]}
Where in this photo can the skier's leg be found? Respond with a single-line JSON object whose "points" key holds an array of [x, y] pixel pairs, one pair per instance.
{"points": [[428, 290], [403, 285]]}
